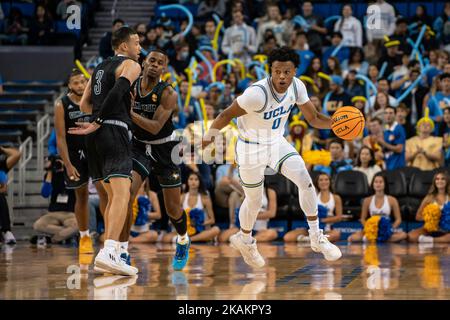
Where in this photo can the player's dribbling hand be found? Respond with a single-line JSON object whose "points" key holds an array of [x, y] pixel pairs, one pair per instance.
{"points": [[84, 128]]}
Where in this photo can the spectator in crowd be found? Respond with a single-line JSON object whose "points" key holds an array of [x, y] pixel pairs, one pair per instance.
{"points": [[181, 60], [371, 141], [321, 84], [146, 209], [239, 39], [440, 100], [350, 27], [382, 86], [352, 86], [373, 74], [9, 157], [196, 199], [59, 222], [315, 28], [300, 45], [381, 102], [15, 28], [105, 48], [355, 62], [269, 43], [208, 7], [359, 102], [415, 99], [424, 151], [61, 9], [380, 22], [261, 229], [41, 27], [442, 26], [333, 205], [280, 28], [381, 204], [365, 162], [402, 118], [338, 161], [393, 141], [439, 194], [333, 67], [401, 34], [342, 54], [421, 17], [210, 32], [339, 97], [445, 134], [299, 137], [391, 57], [151, 40], [228, 189], [440, 58]]}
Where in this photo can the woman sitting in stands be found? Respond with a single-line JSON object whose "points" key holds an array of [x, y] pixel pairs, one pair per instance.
{"points": [[435, 212], [383, 205], [332, 205]]}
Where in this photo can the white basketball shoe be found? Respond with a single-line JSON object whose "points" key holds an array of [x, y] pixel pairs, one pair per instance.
{"points": [[108, 260], [320, 243], [248, 251]]}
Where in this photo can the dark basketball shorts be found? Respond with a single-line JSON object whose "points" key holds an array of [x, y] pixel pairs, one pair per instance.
{"points": [[109, 153], [78, 158], [157, 158]]}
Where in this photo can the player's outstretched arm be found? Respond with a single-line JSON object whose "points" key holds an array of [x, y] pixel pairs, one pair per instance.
{"points": [[86, 103], [222, 120], [314, 118], [168, 105]]}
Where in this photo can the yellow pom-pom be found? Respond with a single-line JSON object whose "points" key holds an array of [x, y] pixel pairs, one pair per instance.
{"points": [[135, 209], [371, 255], [432, 275], [317, 157], [371, 228], [431, 216]]}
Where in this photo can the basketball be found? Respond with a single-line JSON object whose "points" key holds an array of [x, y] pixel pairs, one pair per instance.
{"points": [[348, 123]]}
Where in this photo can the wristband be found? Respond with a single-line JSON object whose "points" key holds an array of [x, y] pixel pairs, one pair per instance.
{"points": [[99, 121]]}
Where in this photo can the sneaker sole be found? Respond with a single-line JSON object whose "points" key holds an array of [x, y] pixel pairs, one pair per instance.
{"points": [[113, 270], [99, 270], [244, 257]]}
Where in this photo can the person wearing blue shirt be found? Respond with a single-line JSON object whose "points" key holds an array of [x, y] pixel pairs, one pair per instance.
{"points": [[338, 161], [342, 54], [52, 148], [393, 141], [302, 49], [439, 101]]}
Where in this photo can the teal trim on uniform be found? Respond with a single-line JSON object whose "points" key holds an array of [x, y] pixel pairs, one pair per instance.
{"points": [[266, 98], [274, 95], [141, 165], [98, 179], [138, 84], [118, 175], [256, 185], [170, 186], [280, 162], [78, 187]]}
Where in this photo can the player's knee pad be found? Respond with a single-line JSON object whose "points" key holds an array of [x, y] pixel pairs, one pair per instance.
{"points": [[253, 198]]}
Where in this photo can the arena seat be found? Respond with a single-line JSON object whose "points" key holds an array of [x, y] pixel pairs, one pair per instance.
{"points": [[418, 188], [284, 197], [352, 186], [408, 173], [398, 188], [16, 114]]}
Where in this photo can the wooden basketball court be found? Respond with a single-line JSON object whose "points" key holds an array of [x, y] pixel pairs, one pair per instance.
{"points": [[387, 271]]}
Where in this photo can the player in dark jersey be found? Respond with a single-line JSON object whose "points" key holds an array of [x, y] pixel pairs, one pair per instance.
{"points": [[73, 153], [108, 95], [155, 144]]}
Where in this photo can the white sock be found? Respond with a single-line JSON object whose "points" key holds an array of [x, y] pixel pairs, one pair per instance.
{"points": [[314, 225], [84, 233], [182, 239], [124, 246], [112, 244], [247, 237]]}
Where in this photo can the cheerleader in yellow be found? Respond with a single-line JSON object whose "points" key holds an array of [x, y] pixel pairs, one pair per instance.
{"points": [[434, 211], [333, 204], [200, 215], [380, 204]]}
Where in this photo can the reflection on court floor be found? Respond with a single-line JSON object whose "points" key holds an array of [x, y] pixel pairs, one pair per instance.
{"points": [[387, 271]]}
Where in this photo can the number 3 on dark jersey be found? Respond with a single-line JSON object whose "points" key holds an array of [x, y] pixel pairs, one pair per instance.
{"points": [[98, 84]]}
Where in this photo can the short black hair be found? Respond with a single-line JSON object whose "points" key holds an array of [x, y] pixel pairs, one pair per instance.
{"points": [[121, 35], [401, 20], [383, 79], [283, 54], [444, 76], [75, 72], [337, 33], [159, 51], [413, 63], [338, 141], [118, 21], [391, 107]]}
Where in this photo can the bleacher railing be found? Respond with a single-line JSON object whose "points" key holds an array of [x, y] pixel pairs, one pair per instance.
{"points": [[43, 131], [10, 187], [26, 148]]}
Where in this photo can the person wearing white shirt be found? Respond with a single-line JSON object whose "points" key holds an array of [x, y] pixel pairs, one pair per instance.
{"points": [[380, 20], [350, 27], [279, 27]]}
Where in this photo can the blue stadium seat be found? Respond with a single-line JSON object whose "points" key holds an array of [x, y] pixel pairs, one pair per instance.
{"points": [[353, 187]]}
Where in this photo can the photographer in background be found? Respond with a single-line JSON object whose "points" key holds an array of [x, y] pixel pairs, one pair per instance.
{"points": [[8, 159], [59, 222]]}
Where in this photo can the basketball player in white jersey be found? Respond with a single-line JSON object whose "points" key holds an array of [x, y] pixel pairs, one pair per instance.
{"points": [[261, 112]]}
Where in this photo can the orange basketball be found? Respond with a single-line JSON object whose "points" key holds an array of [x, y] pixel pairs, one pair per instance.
{"points": [[348, 123]]}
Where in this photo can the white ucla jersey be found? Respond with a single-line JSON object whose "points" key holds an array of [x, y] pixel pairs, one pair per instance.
{"points": [[267, 110]]}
